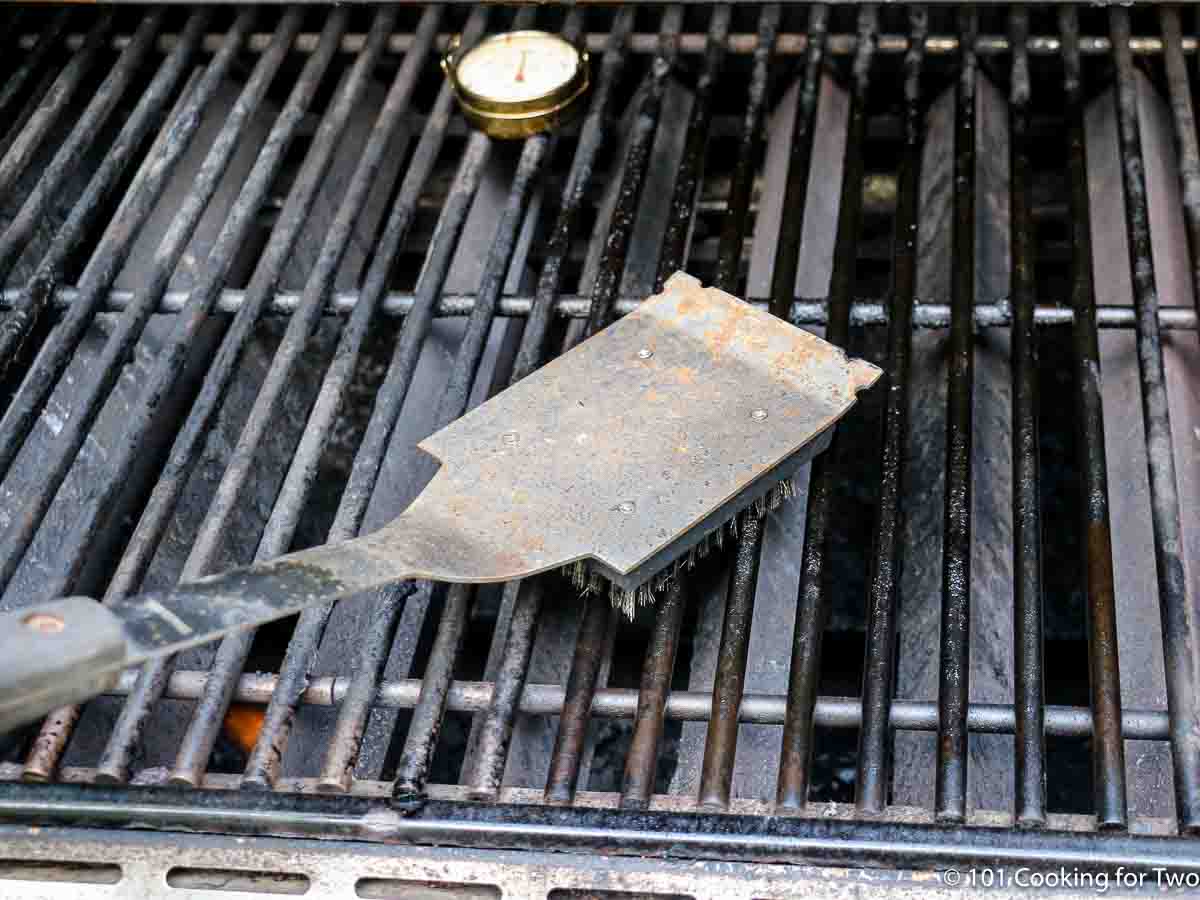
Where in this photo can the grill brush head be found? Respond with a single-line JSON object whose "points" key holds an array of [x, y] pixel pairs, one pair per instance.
{"points": [[621, 461]]}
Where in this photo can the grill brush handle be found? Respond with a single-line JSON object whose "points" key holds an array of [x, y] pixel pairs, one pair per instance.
{"points": [[57, 654]]}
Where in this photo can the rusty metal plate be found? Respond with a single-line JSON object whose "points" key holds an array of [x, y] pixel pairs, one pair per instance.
{"points": [[638, 441]]}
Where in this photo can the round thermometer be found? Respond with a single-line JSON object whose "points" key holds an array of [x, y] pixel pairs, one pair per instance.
{"points": [[519, 83]]}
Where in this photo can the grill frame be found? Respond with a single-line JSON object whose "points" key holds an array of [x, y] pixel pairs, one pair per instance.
{"points": [[715, 826]]}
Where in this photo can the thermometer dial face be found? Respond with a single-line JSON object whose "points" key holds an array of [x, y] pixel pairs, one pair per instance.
{"points": [[518, 67], [518, 84]]}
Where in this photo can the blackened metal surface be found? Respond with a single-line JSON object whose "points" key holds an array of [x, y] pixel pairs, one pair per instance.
{"points": [[812, 602], [231, 657], [787, 254], [687, 179], [716, 772], [874, 760], [127, 731], [17, 324], [577, 701], [490, 752], [642, 760], [783, 839], [1108, 753], [950, 799], [1176, 618], [1030, 767]]}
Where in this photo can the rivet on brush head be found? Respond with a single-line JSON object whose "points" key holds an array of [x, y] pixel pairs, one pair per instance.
{"points": [[510, 437], [645, 353], [759, 415], [626, 506]]}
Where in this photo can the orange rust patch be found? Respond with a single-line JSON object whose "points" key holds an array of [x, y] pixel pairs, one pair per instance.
{"points": [[689, 304], [533, 544], [722, 337]]}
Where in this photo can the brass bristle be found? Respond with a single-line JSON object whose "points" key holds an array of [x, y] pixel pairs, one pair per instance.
{"points": [[588, 581]]}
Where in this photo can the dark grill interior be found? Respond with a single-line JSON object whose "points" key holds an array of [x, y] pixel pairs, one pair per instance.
{"points": [[252, 255]]}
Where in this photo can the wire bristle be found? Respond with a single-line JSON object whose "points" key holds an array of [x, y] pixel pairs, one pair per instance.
{"points": [[588, 581]]}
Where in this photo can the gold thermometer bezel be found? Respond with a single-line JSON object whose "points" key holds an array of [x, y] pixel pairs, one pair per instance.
{"points": [[510, 119]]}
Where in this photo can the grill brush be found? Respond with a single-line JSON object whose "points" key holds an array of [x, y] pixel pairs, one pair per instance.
{"points": [[618, 461]]}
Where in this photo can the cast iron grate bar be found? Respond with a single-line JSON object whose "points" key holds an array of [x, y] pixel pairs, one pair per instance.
{"points": [[879, 665], [232, 654], [110, 255], [812, 603], [1108, 748], [742, 43], [951, 784], [1030, 791], [1177, 619], [681, 706]]}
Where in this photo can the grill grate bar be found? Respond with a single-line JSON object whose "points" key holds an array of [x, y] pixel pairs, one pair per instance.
{"points": [[110, 255], [262, 768], [1185, 131], [879, 663], [691, 168], [951, 782], [736, 222], [21, 318], [492, 734], [808, 311], [641, 761], [812, 610], [30, 62], [233, 652], [1108, 749], [718, 756], [738, 43], [566, 757], [680, 706], [26, 134], [413, 769], [1030, 770], [114, 763], [1164, 499]]}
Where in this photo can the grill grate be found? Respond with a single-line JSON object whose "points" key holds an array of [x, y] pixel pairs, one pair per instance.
{"points": [[423, 267]]}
